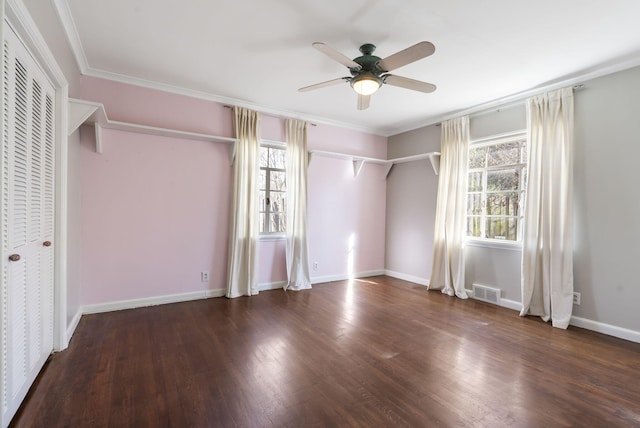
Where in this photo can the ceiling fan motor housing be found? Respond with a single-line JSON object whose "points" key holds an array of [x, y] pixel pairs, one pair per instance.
{"points": [[367, 62]]}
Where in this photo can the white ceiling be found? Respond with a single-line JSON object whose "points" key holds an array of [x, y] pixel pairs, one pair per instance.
{"points": [[258, 53]]}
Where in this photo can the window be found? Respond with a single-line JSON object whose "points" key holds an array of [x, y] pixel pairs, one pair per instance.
{"points": [[272, 190], [497, 181]]}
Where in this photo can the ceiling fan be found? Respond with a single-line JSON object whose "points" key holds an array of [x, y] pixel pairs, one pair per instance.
{"points": [[369, 72]]}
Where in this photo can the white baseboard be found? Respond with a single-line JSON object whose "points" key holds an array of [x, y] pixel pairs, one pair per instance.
{"points": [[271, 285], [151, 301], [345, 277], [71, 328], [511, 304], [405, 277], [611, 330]]}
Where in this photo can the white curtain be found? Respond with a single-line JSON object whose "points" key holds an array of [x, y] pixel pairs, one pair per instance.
{"points": [[297, 250], [547, 248], [242, 280], [447, 273]]}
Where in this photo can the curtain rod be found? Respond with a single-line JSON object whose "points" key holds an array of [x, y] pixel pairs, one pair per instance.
{"points": [[495, 105]]}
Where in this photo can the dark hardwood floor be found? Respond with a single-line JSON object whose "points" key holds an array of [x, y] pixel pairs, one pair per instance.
{"points": [[372, 352]]}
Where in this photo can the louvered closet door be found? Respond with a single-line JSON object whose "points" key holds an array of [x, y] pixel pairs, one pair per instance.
{"points": [[27, 222]]}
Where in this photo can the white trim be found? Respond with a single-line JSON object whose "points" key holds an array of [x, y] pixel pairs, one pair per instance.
{"points": [[608, 329], [519, 98], [24, 26], [345, 277], [511, 304], [61, 221], [152, 301], [406, 277], [359, 161], [71, 328], [91, 112], [265, 286], [266, 237], [71, 31], [493, 243]]}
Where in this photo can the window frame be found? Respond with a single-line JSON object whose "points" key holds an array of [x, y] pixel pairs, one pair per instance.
{"points": [[267, 234], [521, 167]]}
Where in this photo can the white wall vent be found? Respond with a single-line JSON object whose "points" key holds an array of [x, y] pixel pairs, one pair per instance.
{"points": [[486, 294]]}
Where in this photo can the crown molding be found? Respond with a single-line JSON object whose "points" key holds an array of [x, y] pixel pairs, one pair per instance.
{"points": [[582, 77], [193, 93], [70, 29]]}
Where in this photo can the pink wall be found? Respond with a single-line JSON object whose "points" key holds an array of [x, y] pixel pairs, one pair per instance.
{"points": [[155, 210], [127, 103], [155, 215], [346, 218]]}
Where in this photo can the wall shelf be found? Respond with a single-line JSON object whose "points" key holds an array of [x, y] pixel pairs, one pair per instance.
{"points": [[359, 161], [87, 112]]}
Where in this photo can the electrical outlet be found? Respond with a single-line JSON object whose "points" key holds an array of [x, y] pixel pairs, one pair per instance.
{"points": [[315, 265], [576, 298], [204, 276]]}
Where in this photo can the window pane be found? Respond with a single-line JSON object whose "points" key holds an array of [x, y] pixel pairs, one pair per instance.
{"points": [[263, 216], [474, 203], [477, 157], [473, 226], [264, 157], [278, 201], [262, 179], [502, 203], [475, 182], [277, 179], [502, 228], [278, 222], [277, 158], [262, 202], [504, 154], [507, 179]]}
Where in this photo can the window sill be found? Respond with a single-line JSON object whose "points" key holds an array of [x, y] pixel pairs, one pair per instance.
{"points": [[494, 243], [272, 237]]}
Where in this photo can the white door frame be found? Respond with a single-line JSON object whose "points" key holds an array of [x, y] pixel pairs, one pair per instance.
{"points": [[28, 32]]}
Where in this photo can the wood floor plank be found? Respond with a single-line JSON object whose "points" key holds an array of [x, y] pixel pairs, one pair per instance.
{"points": [[361, 353]]}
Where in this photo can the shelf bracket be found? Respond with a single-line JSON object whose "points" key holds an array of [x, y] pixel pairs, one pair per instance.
{"points": [[435, 162], [388, 167], [357, 166], [98, 129]]}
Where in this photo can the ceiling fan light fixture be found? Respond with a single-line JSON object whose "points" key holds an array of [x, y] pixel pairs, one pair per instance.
{"points": [[366, 83]]}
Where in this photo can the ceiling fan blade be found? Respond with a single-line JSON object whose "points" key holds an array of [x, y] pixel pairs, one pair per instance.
{"points": [[324, 84], [335, 55], [363, 101], [407, 56], [405, 82]]}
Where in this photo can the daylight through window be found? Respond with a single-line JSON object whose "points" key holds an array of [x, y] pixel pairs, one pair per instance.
{"points": [[272, 189], [497, 181]]}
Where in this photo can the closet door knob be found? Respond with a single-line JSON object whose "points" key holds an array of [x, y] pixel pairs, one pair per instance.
{"points": [[14, 257], [47, 243]]}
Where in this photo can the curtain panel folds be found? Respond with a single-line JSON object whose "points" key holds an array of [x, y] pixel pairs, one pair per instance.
{"points": [[447, 273], [243, 233], [547, 248], [297, 254]]}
